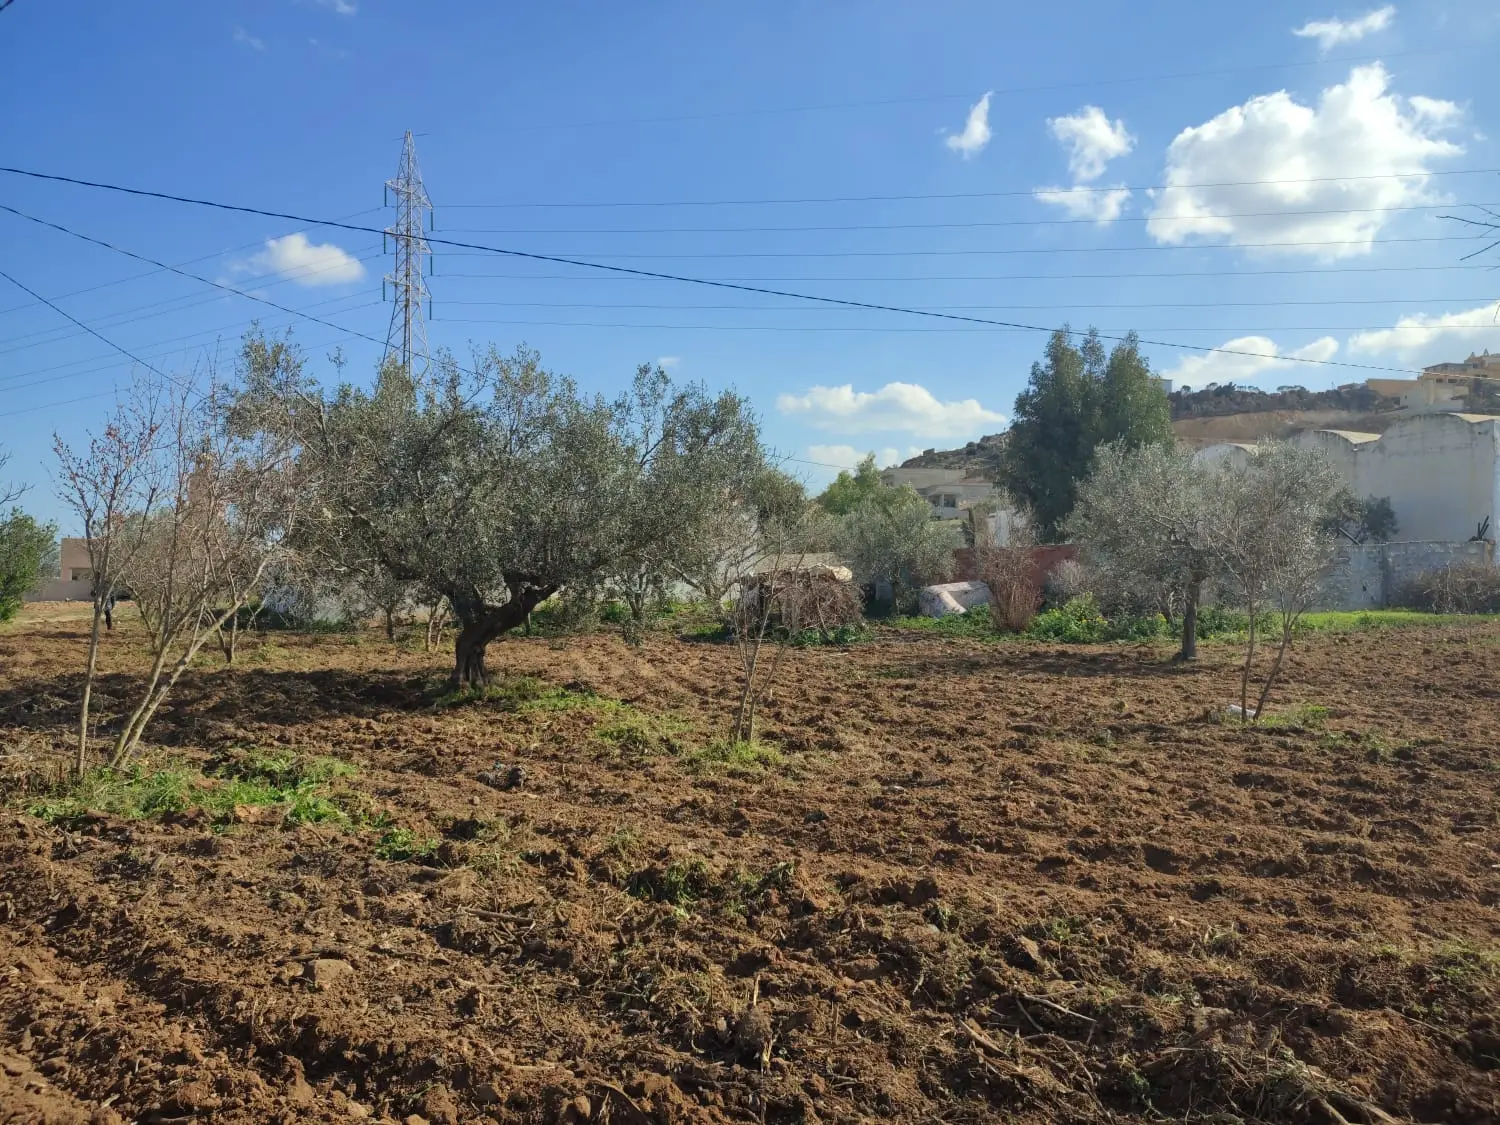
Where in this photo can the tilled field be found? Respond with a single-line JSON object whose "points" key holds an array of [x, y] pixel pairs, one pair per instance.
{"points": [[981, 883]]}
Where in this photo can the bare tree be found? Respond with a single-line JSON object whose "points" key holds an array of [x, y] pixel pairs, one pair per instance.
{"points": [[112, 486], [775, 595], [229, 509], [9, 493]]}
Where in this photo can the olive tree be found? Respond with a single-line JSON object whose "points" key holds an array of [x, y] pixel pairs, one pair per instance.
{"points": [[496, 486], [1147, 517], [892, 537], [1274, 539]]}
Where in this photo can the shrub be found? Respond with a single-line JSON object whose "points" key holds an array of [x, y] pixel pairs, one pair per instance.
{"points": [[1462, 587], [1078, 621]]}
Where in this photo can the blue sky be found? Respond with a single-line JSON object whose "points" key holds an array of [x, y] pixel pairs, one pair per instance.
{"points": [[839, 149]]}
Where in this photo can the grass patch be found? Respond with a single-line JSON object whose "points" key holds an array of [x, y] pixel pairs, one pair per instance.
{"points": [[974, 625], [742, 758], [635, 732], [402, 845], [523, 694], [1305, 716], [296, 784], [133, 794]]}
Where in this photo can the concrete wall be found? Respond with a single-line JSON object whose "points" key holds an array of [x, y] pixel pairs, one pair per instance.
{"points": [[1369, 576], [1441, 471]]}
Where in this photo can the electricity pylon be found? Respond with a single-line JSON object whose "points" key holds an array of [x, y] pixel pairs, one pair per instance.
{"points": [[406, 339]]}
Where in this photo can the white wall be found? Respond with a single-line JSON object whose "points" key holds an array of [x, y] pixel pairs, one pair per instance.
{"points": [[1440, 472]]}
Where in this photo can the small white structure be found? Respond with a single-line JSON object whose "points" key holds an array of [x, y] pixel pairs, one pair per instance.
{"points": [[948, 598]]}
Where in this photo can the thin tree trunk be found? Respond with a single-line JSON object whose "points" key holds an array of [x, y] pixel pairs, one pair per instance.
{"points": [[88, 690], [390, 623], [1265, 691], [128, 735], [1189, 649], [435, 622], [1245, 671]]}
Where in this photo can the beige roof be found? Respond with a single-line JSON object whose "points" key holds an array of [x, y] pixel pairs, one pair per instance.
{"points": [[1478, 417], [1355, 436]]}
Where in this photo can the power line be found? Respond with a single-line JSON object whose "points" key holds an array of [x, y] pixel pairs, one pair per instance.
{"points": [[180, 304], [195, 277], [98, 335], [1253, 330], [97, 394], [976, 225], [153, 273], [1295, 272], [9, 383], [919, 99], [913, 197], [717, 255], [623, 270], [985, 308]]}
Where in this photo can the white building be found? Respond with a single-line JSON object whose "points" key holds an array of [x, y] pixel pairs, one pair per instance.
{"points": [[74, 583], [1441, 471], [951, 492]]}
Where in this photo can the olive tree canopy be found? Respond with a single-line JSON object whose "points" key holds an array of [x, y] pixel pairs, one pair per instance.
{"points": [[497, 486]]}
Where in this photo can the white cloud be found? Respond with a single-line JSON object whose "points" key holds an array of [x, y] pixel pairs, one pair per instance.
{"points": [[667, 362], [1103, 205], [1092, 141], [306, 263], [243, 36], [1246, 359], [342, 7], [847, 457], [1331, 33], [895, 407], [1424, 338], [1435, 110], [1289, 157], [976, 132]]}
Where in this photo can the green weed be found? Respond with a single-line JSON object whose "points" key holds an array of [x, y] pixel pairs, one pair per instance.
{"points": [[133, 794], [402, 845], [743, 758], [636, 732]]}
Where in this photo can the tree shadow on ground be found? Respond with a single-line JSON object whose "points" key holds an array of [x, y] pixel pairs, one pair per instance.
{"points": [[1128, 663], [211, 704]]}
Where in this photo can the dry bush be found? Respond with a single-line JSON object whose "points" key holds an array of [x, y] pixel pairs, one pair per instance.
{"points": [[797, 598], [1010, 573], [1463, 587], [1067, 580]]}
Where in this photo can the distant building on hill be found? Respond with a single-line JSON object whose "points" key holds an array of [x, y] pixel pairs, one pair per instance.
{"points": [[951, 492], [1441, 386]]}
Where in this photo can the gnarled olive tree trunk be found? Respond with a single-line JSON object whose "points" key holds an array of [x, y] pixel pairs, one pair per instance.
{"points": [[480, 623]]}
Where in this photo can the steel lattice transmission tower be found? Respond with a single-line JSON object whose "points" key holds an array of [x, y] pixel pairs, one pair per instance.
{"points": [[406, 339]]}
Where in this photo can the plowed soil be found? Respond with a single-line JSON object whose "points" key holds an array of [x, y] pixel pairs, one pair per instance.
{"points": [[984, 883]]}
